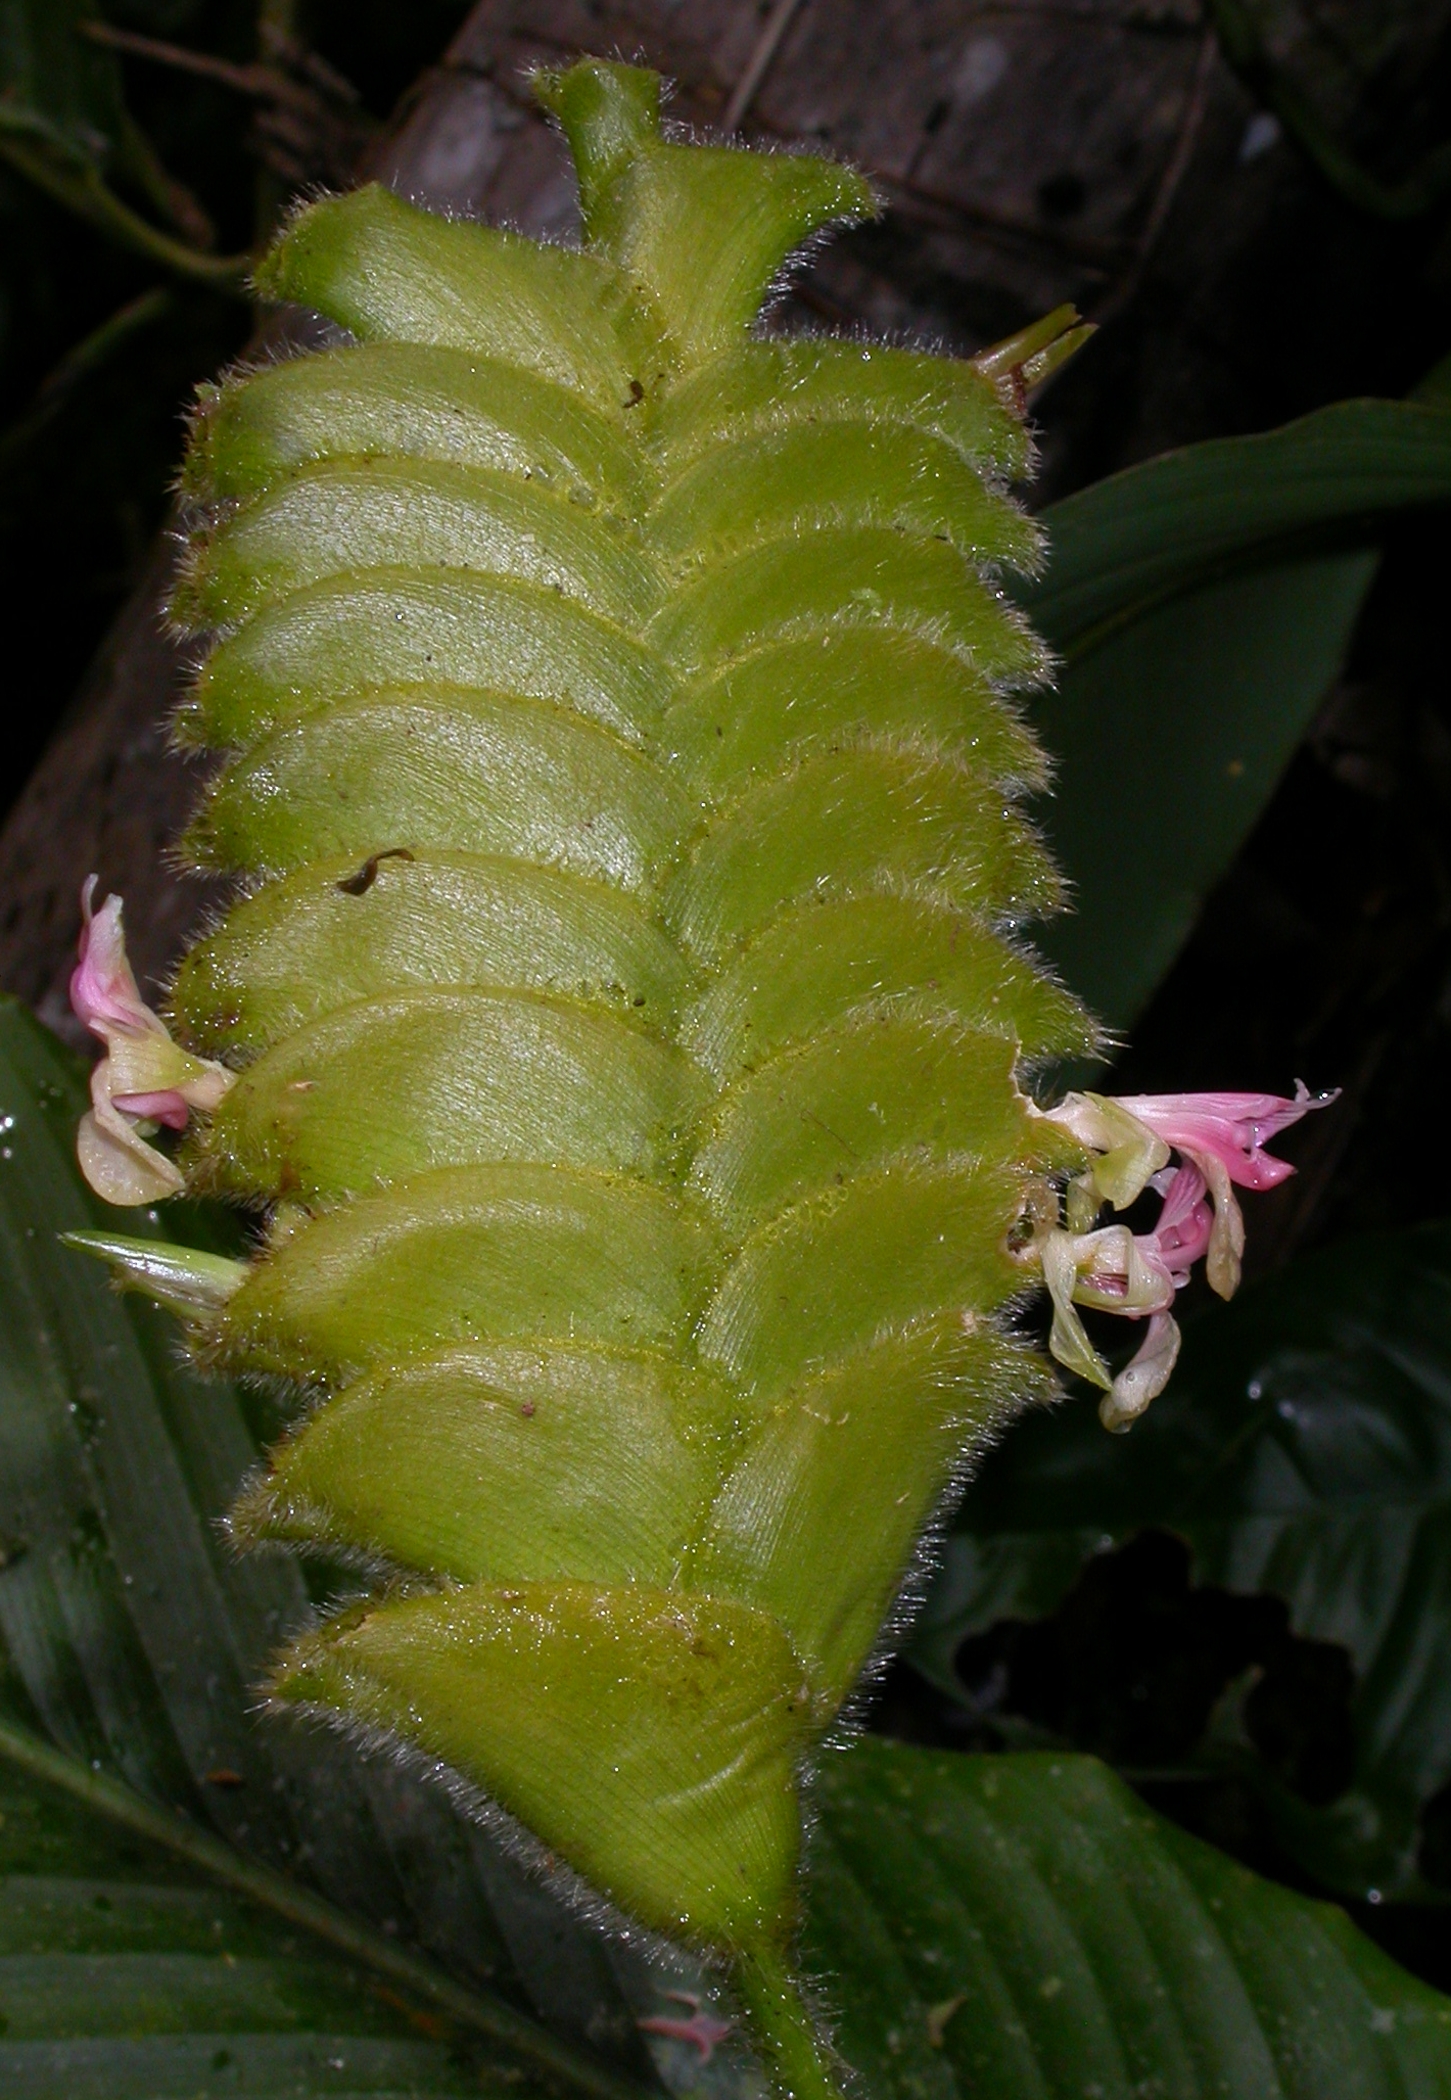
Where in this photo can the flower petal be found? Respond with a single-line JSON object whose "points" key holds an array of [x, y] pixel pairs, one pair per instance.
{"points": [[1224, 1263], [1068, 1341], [1235, 1128], [702, 2030], [144, 1078], [104, 993], [1121, 1272], [1126, 1152], [1144, 1377], [117, 1161], [1185, 1225], [154, 1077]]}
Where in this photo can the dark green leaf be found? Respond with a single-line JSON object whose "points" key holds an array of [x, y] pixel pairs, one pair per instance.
{"points": [[1434, 390], [1169, 525], [1303, 1449], [132, 1637], [1022, 1928], [59, 90], [1201, 620], [1169, 736], [125, 1973]]}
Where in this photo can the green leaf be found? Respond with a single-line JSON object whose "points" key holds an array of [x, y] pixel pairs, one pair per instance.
{"points": [[1022, 1928], [133, 1638], [59, 90], [1302, 1450], [126, 1974], [1170, 735], [1201, 618], [1167, 525]]}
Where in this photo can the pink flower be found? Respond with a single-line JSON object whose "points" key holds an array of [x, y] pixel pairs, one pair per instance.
{"points": [[1184, 1226], [145, 1079], [1233, 1127], [702, 2030], [1220, 1139], [1224, 1136], [104, 994]]}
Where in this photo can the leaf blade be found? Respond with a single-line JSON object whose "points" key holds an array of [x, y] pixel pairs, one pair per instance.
{"points": [[1170, 735], [1170, 522], [1202, 603], [122, 1973], [1055, 1937]]}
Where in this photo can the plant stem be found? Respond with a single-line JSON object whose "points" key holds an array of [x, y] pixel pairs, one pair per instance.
{"points": [[84, 191], [478, 2010], [801, 2063], [173, 199]]}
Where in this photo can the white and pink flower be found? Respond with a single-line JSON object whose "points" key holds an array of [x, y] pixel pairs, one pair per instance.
{"points": [[1131, 1139], [145, 1080]]}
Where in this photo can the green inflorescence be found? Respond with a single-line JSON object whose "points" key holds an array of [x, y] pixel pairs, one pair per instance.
{"points": [[626, 1011]]}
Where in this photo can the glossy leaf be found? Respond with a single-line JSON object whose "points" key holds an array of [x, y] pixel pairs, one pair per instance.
{"points": [[1171, 734], [1201, 619], [1022, 1928], [1303, 1450], [1162, 527], [126, 1973]]}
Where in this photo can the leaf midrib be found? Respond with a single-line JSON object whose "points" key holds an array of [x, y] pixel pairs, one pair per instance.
{"points": [[479, 2010]]}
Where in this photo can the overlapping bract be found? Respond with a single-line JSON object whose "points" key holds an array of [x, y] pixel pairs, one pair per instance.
{"points": [[618, 759]]}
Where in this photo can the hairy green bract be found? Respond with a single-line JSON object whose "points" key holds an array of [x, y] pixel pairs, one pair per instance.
{"points": [[622, 1025]]}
